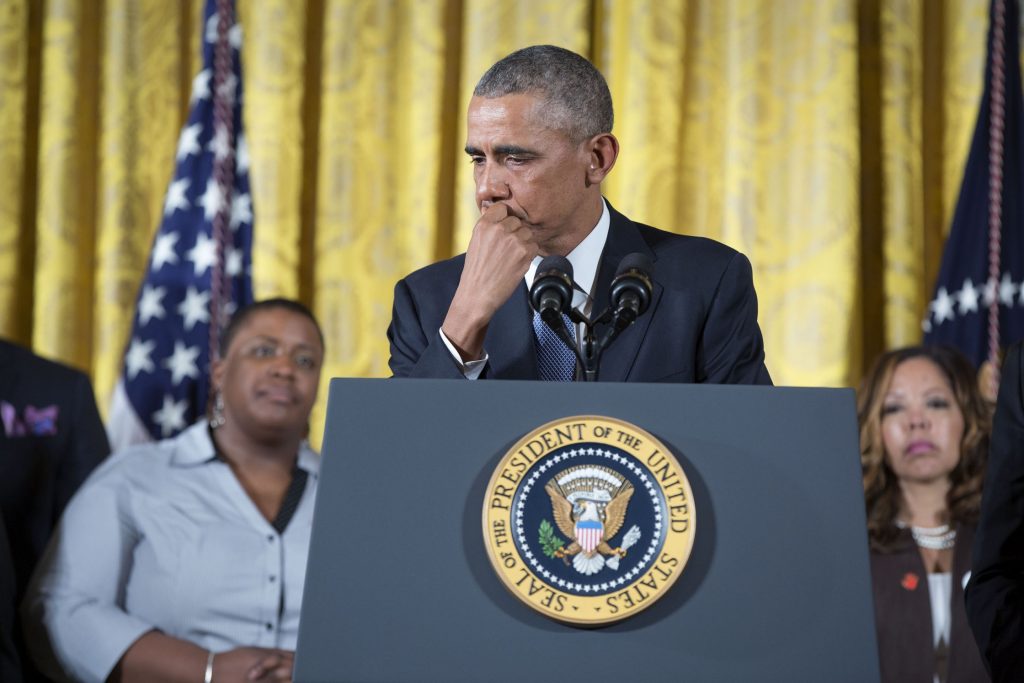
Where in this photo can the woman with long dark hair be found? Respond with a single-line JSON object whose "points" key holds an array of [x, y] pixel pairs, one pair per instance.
{"points": [[924, 431]]}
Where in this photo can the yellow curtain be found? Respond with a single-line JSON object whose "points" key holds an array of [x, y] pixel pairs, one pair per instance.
{"points": [[823, 138]]}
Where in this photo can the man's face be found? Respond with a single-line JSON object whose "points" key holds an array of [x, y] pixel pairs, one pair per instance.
{"points": [[535, 170]]}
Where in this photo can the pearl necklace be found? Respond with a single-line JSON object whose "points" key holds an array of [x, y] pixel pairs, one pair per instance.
{"points": [[933, 538]]}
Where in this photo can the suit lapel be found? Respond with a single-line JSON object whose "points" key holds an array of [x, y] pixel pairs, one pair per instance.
{"points": [[623, 239], [510, 340]]}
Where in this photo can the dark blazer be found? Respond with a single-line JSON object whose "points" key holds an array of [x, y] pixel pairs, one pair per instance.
{"points": [[995, 596], [903, 615], [42, 460], [701, 325], [10, 668]]}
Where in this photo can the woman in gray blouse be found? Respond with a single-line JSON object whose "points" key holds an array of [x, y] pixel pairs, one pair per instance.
{"points": [[185, 559]]}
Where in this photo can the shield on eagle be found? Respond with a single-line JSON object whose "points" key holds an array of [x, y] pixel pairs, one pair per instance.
{"points": [[589, 534]]}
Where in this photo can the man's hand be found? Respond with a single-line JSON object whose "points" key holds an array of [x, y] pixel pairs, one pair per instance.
{"points": [[499, 254]]}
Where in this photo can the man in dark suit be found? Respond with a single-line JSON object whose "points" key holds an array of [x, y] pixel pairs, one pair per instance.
{"points": [[539, 136], [51, 438], [995, 593]]}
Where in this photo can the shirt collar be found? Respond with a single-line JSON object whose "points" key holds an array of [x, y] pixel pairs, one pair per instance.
{"points": [[194, 447], [585, 259]]}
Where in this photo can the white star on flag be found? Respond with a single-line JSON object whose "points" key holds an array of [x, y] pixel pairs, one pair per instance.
{"points": [[188, 143], [201, 85], [203, 254], [942, 307], [241, 154], [163, 250], [150, 305], [176, 198], [171, 416], [138, 358], [233, 262], [968, 297], [182, 363], [990, 292], [241, 210], [211, 200], [219, 144], [234, 33], [227, 88], [195, 308], [1007, 290]]}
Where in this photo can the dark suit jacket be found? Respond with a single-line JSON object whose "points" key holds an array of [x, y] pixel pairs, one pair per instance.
{"points": [[10, 669], [701, 325], [40, 472], [903, 615], [995, 596]]}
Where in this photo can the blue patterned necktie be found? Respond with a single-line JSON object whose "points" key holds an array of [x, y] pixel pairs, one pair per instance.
{"points": [[557, 362]]}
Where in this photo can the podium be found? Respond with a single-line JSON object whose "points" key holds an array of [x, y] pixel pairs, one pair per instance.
{"points": [[399, 586]]}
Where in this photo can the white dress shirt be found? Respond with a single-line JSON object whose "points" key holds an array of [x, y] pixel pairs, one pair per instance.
{"points": [[585, 259], [163, 536]]}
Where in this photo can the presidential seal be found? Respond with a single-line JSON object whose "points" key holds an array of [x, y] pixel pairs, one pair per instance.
{"points": [[588, 520]]}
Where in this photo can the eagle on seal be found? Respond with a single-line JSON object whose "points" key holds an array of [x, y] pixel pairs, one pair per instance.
{"points": [[590, 519]]}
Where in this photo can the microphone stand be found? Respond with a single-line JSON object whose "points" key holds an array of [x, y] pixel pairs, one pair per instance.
{"points": [[630, 297], [589, 352]]}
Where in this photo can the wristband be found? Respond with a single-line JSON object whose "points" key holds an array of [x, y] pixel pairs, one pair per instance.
{"points": [[208, 676]]}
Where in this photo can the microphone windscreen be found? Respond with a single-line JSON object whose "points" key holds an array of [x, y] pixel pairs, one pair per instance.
{"points": [[555, 262], [635, 261]]}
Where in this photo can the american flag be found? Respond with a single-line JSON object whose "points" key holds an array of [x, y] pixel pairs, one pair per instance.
{"points": [[201, 262], [979, 296]]}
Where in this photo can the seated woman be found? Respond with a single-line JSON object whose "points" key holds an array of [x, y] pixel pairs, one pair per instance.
{"points": [[184, 560], [924, 431]]}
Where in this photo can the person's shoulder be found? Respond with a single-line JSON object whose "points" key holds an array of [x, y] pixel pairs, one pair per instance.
{"points": [[691, 259], [146, 463], [40, 368], [665, 243], [447, 270]]}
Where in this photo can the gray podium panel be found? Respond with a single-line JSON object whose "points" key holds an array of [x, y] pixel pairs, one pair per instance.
{"points": [[399, 587]]}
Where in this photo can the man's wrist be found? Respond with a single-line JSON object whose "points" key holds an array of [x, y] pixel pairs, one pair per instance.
{"points": [[466, 334], [471, 369]]}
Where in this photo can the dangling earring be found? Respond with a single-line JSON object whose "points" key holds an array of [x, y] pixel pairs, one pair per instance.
{"points": [[217, 414]]}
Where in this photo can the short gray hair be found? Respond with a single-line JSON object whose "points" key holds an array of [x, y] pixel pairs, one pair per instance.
{"points": [[574, 90]]}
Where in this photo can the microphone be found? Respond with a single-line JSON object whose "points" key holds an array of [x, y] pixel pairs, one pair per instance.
{"points": [[551, 293], [631, 289]]}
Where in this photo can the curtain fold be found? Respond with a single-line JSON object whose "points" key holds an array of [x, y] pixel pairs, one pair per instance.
{"points": [[144, 86], [823, 138], [19, 39]]}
